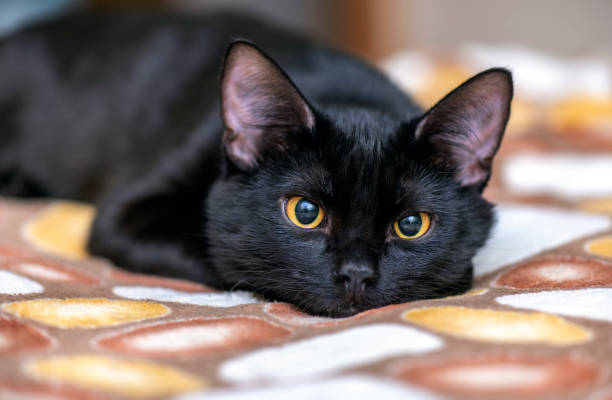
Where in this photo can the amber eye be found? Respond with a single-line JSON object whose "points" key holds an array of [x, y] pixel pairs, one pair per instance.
{"points": [[304, 213], [412, 226]]}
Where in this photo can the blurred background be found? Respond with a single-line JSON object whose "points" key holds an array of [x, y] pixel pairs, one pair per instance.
{"points": [[377, 29], [559, 51]]}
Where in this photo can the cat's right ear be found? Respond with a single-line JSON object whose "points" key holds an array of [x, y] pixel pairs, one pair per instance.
{"points": [[463, 131], [260, 105]]}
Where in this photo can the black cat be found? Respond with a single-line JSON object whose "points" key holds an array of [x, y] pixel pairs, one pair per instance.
{"points": [[324, 186]]}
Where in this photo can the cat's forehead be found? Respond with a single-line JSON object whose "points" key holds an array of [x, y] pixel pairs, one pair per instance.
{"points": [[356, 157], [364, 168], [365, 127]]}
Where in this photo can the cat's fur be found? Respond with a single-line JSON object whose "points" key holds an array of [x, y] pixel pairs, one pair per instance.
{"points": [[189, 165]]}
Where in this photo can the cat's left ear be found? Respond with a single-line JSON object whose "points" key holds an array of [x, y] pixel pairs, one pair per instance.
{"points": [[464, 130], [261, 106]]}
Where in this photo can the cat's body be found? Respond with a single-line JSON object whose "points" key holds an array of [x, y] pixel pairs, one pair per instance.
{"points": [[192, 178], [150, 81]]}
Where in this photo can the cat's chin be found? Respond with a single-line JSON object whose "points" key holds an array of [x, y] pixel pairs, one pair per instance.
{"points": [[345, 310], [340, 311], [348, 311]]}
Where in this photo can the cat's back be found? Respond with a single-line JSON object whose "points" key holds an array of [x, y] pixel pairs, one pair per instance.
{"points": [[130, 53], [90, 95], [91, 98], [130, 71]]}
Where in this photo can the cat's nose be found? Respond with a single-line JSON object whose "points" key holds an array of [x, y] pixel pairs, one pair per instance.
{"points": [[355, 277]]}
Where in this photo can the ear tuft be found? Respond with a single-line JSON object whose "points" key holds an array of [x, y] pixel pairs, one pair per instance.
{"points": [[261, 106], [465, 128]]}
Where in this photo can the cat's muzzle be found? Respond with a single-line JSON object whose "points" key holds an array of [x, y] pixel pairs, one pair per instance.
{"points": [[355, 277]]}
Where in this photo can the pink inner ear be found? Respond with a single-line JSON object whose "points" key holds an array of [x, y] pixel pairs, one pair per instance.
{"points": [[482, 140], [242, 151], [466, 126], [260, 104]]}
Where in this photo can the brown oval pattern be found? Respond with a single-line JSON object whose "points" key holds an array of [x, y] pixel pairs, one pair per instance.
{"points": [[36, 267], [16, 337], [195, 337], [557, 273], [497, 375]]}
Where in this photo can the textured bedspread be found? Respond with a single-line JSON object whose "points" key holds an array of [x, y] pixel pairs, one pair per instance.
{"points": [[538, 322]]}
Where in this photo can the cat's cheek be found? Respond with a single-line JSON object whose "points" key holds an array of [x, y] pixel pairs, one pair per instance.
{"points": [[408, 273]]}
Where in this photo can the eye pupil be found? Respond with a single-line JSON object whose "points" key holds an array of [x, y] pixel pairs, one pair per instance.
{"points": [[303, 213], [410, 225], [306, 212]]}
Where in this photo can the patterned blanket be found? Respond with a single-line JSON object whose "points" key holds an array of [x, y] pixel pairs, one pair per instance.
{"points": [[538, 323]]}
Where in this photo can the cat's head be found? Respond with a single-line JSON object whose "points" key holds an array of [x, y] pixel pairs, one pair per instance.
{"points": [[345, 208]]}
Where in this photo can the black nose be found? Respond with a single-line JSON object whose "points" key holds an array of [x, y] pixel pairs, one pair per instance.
{"points": [[355, 277]]}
